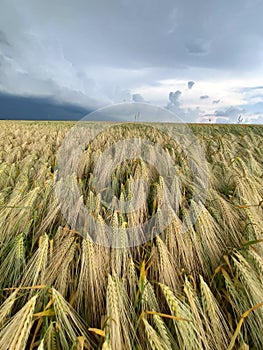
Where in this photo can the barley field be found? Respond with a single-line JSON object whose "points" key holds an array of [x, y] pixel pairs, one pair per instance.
{"points": [[197, 288]]}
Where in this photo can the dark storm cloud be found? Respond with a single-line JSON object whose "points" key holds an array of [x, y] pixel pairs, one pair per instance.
{"points": [[33, 108], [82, 51], [190, 84], [135, 34]]}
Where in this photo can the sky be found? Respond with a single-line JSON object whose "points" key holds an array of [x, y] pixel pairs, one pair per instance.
{"points": [[203, 59]]}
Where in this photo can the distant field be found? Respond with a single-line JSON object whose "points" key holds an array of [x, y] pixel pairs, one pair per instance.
{"points": [[196, 285]]}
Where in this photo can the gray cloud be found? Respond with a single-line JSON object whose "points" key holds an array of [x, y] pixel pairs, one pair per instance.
{"points": [[215, 101], [211, 118], [190, 84], [232, 115], [44, 108], [97, 51], [174, 102], [250, 88], [122, 95], [138, 98], [174, 98], [204, 97], [3, 39], [236, 115], [185, 114], [100, 32], [198, 47], [230, 112]]}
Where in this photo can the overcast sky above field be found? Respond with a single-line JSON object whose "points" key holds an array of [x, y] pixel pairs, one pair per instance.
{"points": [[201, 59]]}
